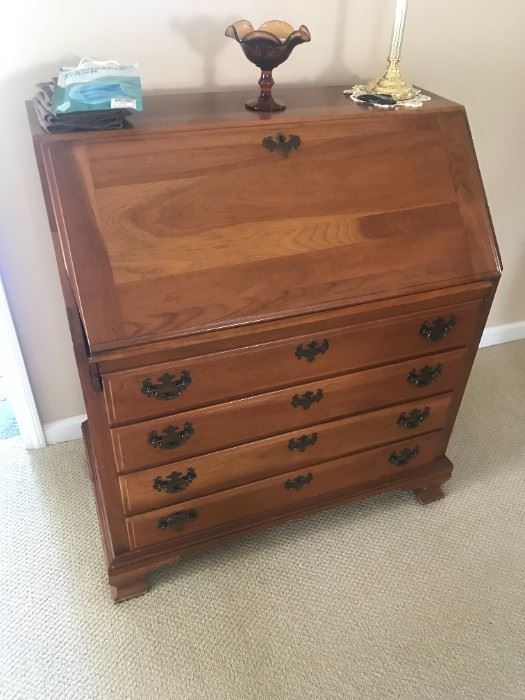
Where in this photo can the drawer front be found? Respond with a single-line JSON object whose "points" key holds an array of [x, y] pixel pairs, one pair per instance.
{"points": [[177, 386], [216, 427], [218, 471], [232, 510]]}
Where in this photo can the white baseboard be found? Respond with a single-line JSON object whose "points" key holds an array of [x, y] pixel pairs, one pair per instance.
{"points": [[64, 429], [70, 428], [497, 335]]}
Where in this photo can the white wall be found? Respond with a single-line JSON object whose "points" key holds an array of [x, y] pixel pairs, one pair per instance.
{"points": [[461, 49]]}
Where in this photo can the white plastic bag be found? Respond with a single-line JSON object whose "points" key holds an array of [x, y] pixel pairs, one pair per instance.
{"points": [[95, 85]]}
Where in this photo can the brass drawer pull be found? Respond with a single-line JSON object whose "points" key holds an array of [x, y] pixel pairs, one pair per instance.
{"points": [[298, 483], [303, 442], [282, 144], [401, 459], [175, 481], [438, 328], [177, 520], [312, 350], [413, 419], [171, 437], [168, 386], [307, 399], [425, 376]]}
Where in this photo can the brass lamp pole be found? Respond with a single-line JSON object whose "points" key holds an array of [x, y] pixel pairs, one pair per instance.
{"points": [[391, 82]]}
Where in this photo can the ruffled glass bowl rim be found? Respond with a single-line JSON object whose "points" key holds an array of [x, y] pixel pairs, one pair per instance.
{"points": [[275, 31]]}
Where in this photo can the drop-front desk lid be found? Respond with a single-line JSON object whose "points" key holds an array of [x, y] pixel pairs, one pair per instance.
{"points": [[202, 217]]}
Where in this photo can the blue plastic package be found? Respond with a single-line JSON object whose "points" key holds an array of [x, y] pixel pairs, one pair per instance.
{"points": [[95, 85]]}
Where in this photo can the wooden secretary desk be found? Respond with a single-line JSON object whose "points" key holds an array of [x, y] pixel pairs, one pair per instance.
{"points": [[271, 314]]}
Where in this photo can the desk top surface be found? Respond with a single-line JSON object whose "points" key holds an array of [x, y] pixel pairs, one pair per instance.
{"points": [[165, 111]]}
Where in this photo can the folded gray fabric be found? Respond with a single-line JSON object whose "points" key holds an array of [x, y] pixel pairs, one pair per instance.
{"points": [[74, 121]]}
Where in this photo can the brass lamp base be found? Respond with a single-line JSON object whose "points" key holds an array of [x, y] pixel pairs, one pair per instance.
{"points": [[392, 83]]}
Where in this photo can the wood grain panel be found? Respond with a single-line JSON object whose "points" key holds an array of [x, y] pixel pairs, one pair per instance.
{"points": [[107, 494], [205, 229], [235, 422], [84, 254], [240, 503], [222, 218], [470, 192], [248, 242], [286, 286], [251, 370], [204, 152]]}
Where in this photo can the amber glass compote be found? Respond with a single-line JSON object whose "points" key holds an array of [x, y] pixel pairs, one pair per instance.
{"points": [[267, 47]]}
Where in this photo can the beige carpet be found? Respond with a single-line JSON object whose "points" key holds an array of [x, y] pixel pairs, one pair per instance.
{"points": [[382, 599]]}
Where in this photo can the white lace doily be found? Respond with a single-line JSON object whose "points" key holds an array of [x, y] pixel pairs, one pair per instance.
{"points": [[415, 102]]}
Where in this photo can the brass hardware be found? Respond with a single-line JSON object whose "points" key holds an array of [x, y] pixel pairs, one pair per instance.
{"points": [[303, 442], [171, 437], [307, 399], [167, 387], [175, 481], [401, 459], [177, 521], [311, 350], [298, 483], [437, 329], [413, 419], [425, 376], [282, 144]]}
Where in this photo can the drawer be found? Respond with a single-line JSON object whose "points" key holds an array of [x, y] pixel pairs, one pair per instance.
{"points": [[224, 425], [237, 508], [218, 471], [177, 386]]}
